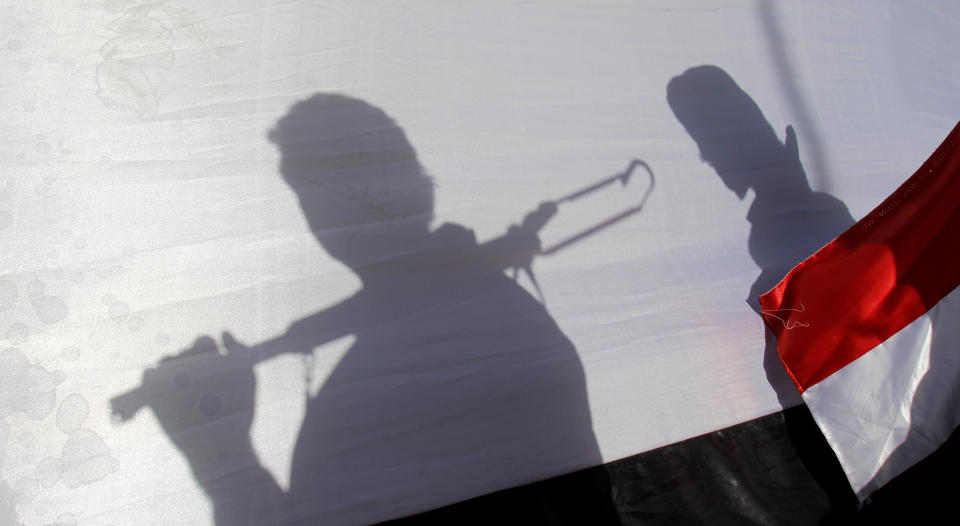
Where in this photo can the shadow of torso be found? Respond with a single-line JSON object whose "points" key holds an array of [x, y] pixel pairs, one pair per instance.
{"points": [[456, 374], [785, 230]]}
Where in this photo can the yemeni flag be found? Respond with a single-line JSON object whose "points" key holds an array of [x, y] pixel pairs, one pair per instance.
{"points": [[868, 327]]}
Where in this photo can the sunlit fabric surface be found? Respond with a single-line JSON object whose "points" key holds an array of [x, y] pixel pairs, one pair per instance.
{"points": [[278, 261]]}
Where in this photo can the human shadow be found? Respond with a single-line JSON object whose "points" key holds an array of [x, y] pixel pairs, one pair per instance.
{"points": [[788, 222], [458, 382]]}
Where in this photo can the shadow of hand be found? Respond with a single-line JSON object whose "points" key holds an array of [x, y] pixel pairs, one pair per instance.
{"points": [[203, 399]]}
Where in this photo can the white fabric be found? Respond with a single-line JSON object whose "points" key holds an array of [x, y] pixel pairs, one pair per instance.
{"points": [[141, 206], [896, 404]]}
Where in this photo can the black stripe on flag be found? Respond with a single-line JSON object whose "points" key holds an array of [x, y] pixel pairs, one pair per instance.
{"points": [[777, 469]]}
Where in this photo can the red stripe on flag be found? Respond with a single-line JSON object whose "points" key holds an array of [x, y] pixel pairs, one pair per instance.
{"points": [[875, 278]]}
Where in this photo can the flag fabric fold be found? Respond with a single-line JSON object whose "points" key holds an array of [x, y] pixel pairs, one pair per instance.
{"points": [[867, 330]]}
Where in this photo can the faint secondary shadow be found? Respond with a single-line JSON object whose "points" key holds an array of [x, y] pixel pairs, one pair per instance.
{"points": [[459, 382], [788, 220]]}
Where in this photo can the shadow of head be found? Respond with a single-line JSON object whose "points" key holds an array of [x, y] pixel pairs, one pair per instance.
{"points": [[357, 177], [730, 130]]}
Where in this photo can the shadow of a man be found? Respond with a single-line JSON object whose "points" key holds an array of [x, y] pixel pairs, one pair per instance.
{"points": [[788, 220], [788, 223], [458, 383]]}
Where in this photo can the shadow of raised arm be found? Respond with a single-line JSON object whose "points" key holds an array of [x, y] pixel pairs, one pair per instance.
{"points": [[206, 358]]}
